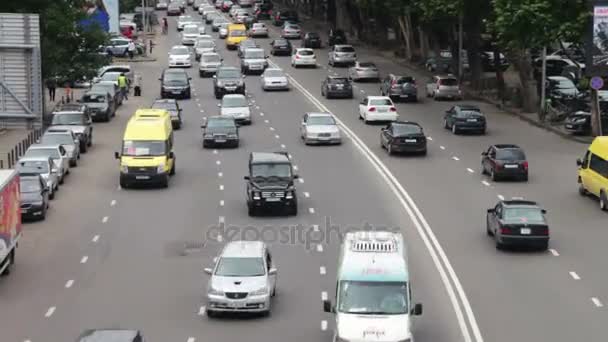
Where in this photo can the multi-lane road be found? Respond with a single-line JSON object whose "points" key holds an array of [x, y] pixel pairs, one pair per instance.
{"points": [[110, 257]]}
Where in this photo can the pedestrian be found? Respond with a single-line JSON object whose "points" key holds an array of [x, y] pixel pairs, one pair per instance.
{"points": [[123, 84], [151, 45], [137, 85], [131, 49], [51, 84], [68, 92], [165, 25]]}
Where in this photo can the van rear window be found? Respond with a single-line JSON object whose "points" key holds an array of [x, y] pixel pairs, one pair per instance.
{"points": [[448, 82]]}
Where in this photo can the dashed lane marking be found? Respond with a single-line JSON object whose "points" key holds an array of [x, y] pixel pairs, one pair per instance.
{"points": [[324, 296], [191, 339], [272, 128], [222, 219], [442, 147], [315, 227], [221, 203], [261, 114], [95, 238], [220, 238], [295, 167], [50, 312], [311, 210], [323, 325], [221, 187], [215, 152], [322, 270], [431, 139], [69, 283], [554, 252], [470, 170], [201, 311], [113, 203], [277, 136], [306, 194], [84, 259], [455, 158], [218, 162], [104, 219], [283, 146], [266, 121], [597, 302], [574, 275], [301, 180], [219, 174], [319, 248], [501, 197], [485, 183]]}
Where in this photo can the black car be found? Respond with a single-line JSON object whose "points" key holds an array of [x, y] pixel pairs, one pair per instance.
{"points": [[228, 80], [270, 183], [336, 86], [399, 88], [311, 40], [504, 161], [562, 88], [518, 223], [264, 12], [175, 83], [100, 105], [34, 196], [579, 123], [403, 136], [220, 131], [284, 15], [173, 108], [465, 118], [336, 37], [280, 47], [111, 335]]}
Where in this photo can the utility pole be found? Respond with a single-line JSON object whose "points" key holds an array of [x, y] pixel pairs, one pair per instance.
{"points": [[460, 43], [543, 79], [145, 33]]}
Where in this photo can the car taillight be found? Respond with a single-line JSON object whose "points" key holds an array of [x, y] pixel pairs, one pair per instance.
{"points": [[297, 56], [393, 109], [505, 230], [543, 231], [372, 109], [525, 165]]}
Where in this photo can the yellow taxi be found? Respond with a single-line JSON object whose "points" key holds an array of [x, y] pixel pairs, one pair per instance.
{"points": [[593, 171], [236, 34]]}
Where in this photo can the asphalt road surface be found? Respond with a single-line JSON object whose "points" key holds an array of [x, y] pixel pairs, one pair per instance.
{"points": [[107, 257]]}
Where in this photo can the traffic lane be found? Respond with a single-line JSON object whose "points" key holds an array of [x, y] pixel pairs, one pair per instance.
{"points": [[351, 192]]}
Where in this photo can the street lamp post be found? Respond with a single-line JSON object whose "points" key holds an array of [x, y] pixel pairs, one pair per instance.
{"points": [[143, 17]]}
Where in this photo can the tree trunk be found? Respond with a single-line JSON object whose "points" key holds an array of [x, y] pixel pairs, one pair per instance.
{"points": [[529, 93], [424, 43], [500, 80], [406, 30]]}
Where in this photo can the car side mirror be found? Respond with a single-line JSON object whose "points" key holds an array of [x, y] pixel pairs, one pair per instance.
{"points": [[246, 178], [160, 79], [214, 76], [116, 155], [96, 79], [208, 270], [579, 162], [491, 210], [327, 307], [272, 271], [171, 155], [544, 211], [484, 153], [219, 105], [296, 176], [417, 310]]}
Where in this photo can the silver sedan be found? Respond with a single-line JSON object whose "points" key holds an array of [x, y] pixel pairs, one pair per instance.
{"points": [[363, 71], [274, 79], [258, 30], [320, 128]]}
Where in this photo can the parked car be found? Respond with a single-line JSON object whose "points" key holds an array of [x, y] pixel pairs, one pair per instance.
{"points": [[67, 139], [34, 196], [173, 108], [115, 68], [43, 166], [403, 137], [57, 153], [280, 47], [78, 122], [220, 131], [109, 88], [274, 79], [443, 63], [175, 83], [342, 55], [399, 87], [364, 71], [504, 160], [312, 40], [464, 118], [444, 87], [100, 105]]}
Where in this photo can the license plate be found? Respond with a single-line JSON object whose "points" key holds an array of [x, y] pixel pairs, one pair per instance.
{"points": [[237, 304], [410, 140], [220, 140], [382, 110], [525, 231], [511, 166], [273, 199], [471, 120], [142, 177], [177, 92], [340, 86]]}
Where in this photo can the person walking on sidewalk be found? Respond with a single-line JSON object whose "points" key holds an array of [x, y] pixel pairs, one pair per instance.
{"points": [[68, 93], [131, 48], [165, 26], [123, 84], [151, 45], [137, 85], [51, 84]]}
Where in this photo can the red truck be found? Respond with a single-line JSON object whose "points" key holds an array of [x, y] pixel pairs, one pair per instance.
{"points": [[10, 218]]}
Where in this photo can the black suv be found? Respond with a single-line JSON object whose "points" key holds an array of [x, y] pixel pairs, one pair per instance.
{"points": [[34, 196], [111, 335], [280, 46], [311, 40], [175, 83], [270, 183], [228, 80], [504, 160], [336, 86], [336, 37], [284, 15]]}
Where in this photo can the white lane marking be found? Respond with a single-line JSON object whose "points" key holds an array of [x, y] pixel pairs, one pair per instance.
{"points": [[202, 110], [119, 188], [295, 167], [501, 197], [218, 162], [272, 128], [470, 170], [198, 104], [219, 174], [95, 238], [283, 146], [322, 270], [84, 259], [306, 194], [221, 187], [220, 238], [431, 139], [597, 302], [324, 296], [554, 252], [323, 325], [277, 136], [442, 147], [301, 180], [311, 210], [485, 183], [215, 152], [222, 219], [50, 312], [201, 311], [289, 156], [450, 280], [362, 91], [221, 203], [104, 219], [191, 339], [196, 99], [315, 227], [261, 114], [27, 341], [257, 107], [319, 248], [113, 203], [455, 158], [69, 283], [266, 121], [252, 101], [574, 275]]}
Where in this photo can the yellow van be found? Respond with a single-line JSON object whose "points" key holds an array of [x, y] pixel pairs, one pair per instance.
{"points": [[593, 171], [153, 113], [147, 150], [236, 34]]}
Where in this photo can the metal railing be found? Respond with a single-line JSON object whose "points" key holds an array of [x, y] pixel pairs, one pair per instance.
{"points": [[10, 158]]}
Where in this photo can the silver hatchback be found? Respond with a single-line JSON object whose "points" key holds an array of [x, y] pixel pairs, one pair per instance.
{"points": [[342, 55], [243, 279]]}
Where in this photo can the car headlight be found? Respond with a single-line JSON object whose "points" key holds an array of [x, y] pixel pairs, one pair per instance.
{"points": [[232, 135], [160, 168], [258, 292], [220, 84], [215, 292], [289, 195], [256, 195], [124, 169], [582, 120], [38, 203]]}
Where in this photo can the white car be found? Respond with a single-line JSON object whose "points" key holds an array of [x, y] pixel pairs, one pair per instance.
{"points": [[180, 56], [161, 5], [236, 106], [57, 153], [320, 128], [183, 20], [304, 57], [202, 30], [189, 34], [274, 79], [203, 46], [233, 9], [377, 108], [209, 64], [224, 30], [241, 16], [258, 30], [203, 10]]}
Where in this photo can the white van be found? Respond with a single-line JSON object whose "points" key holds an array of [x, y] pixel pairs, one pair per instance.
{"points": [[373, 294]]}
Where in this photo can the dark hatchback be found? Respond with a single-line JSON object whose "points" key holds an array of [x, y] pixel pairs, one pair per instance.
{"points": [[284, 15], [220, 131], [99, 104], [264, 12], [111, 335], [175, 83], [465, 118], [518, 223], [174, 110], [504, 161], [335, 86], [399, 88], [336, 37], [280, 47], [228, 80], [34, 196], [403, 137], [579, 123], [311, 40]]}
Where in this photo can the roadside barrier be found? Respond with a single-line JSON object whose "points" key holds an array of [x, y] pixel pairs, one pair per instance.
{"points": [[10, 158]]}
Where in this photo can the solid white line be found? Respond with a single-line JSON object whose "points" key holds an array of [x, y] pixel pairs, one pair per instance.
{"points": [[113, 203], [50, 312], [455, 158], [84, 259], [501, 197], [597, 302], [319, 248], [69, 283], [554, 252], [221, 187], [470, 170], [445, 269], [201, 311], [574, 275], [306, 194], [322, 270], [311, 210], [222, 203], [485, 183], [301, 180], [198, 104], [442, 147], [323, 325], [315, 227], [95, 238], [191, 339], [202, 111], [324, 296], [104, 219], [219, 174], [218, 162], [222, 219], [277, 136], [429, 138]]}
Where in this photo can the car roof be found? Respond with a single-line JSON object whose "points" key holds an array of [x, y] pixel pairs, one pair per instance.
{"points": [[376, 97], [96, 92], [406, 123], [29, 174], [244, 249], [39, 146], [109, 335], [558, 78], [506, 146], [343, 45], [33, 158], [106, 67], [519, 203], [315, 114], [254, 49], [166, 100], [466, 107], [269, 157], [175, 71]]}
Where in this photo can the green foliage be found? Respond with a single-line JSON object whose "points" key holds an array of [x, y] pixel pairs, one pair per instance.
{"points": [[127, 6], [434, 11]]}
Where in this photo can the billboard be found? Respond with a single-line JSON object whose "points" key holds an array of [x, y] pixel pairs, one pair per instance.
{"points": [[103, 13], [10, 215]]}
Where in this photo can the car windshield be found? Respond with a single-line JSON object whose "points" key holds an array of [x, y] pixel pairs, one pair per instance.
{"points": [[373, 298], [345, 49], [175, 77], [305, 53], [204, 43], [219, 122], [68, 119], [320, 120], [211, 59], [30, 185], [59, 139], [191, 30], [180, 50], [274, 73], [292, 27], [236, 101], [467, 113], [563, 84], [281, 42], [43, 152], [228, 73], [338, 80], [251, 53], [103, 87], [380, 102], [367, 65], [313, 35], [406, 129], [448, 82], [33, 167], [523, 214], [94, 98], [240, 267], [510, 154], [172, 107], [110, 76], [259, 26], [281, 170], [237, 33], [138, 148], [405, 79]]}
